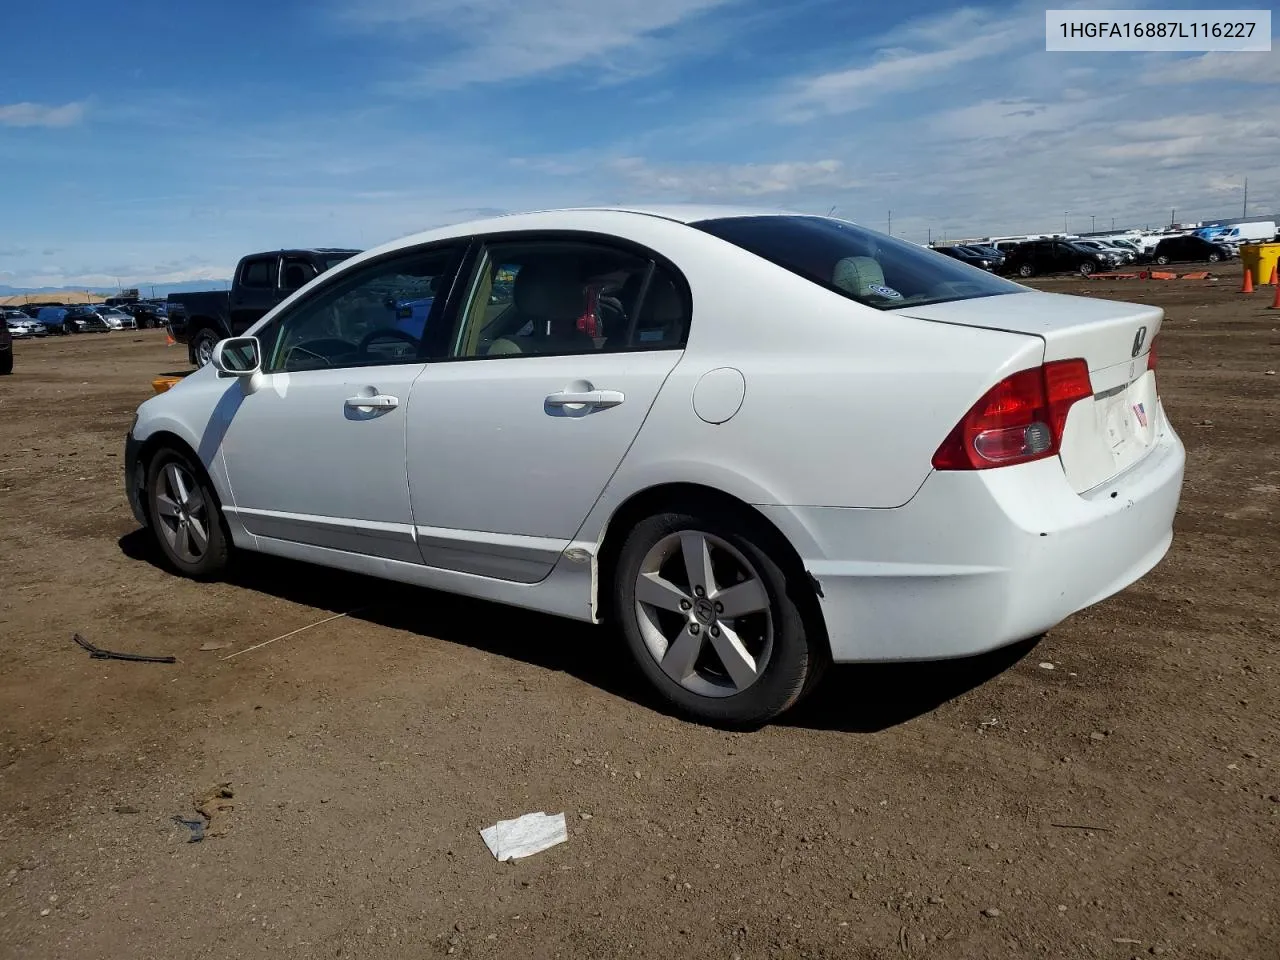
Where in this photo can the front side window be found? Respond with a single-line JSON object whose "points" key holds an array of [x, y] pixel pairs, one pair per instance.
{"points": [[391, 311], [553, 297], [258, 273], [871, 268]]}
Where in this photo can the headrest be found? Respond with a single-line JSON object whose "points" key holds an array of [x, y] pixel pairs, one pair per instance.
{"points": [[549, 290], [856, 274]]}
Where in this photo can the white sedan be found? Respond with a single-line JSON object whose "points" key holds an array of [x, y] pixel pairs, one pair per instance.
{"points": [[753, 442]]}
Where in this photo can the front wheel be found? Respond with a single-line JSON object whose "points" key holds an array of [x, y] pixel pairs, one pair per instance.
{"points": [[1086, 268], [1026, 270], [185, 517], [1214, 258], [202, 346], [1162, 260], [711, 619]]}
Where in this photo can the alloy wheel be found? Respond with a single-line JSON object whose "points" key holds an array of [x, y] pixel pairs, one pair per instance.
{"points": [[183, 513], [704, 613]]}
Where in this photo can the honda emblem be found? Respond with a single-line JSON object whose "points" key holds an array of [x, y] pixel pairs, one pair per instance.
{"points": [[1139, 339]]}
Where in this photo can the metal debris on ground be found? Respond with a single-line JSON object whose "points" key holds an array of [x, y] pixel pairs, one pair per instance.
{"points": [[195, 826], [97, 653], [524, 836]]}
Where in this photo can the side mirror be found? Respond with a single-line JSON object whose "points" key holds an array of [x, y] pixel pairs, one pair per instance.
{"points": [[237, 357]]}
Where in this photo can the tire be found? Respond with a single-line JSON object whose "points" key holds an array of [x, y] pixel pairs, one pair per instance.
{"points": [[1162, 260], [1026, 270], [1087, 268], [658, 610], [1214, 258], [169, 474], [6, 363], [202, 346]]}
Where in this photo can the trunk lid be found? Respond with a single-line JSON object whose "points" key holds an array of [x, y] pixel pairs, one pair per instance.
{"points": [[1118, 426]]}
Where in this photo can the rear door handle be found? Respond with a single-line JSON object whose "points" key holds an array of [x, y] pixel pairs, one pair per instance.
{"points": [[589, 398], [379, 402]]}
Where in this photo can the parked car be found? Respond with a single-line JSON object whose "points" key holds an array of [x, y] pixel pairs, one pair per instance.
{"points": [[1057, 256], [146, 313], [84, 319], [53, 319], [261, 281], [21, 326], [6, 350], [1190, 248], [115, 318], [1121, 255], [969, 255], [801, 441]]}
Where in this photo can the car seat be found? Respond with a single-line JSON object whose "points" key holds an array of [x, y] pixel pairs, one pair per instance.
{"points": [[549, 298]]}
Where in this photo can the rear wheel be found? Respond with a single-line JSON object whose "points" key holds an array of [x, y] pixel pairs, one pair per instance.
{"points": [[1026, 270], [1162, 260], [186, 519], [710, 617]]}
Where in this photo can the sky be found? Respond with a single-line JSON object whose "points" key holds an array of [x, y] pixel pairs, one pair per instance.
{"points": [[158, 142]]}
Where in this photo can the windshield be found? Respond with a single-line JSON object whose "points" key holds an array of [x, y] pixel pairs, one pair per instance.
{"points": [[871, 268]]}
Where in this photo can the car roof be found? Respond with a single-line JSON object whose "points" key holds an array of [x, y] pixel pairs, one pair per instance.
{"points": [[573, 218]]}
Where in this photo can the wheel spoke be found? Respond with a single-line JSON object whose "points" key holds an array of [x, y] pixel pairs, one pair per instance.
{"points": [[174, 480], [165, 506], [739, 664], [652, 589], [195, 502], [743, 598], [697, 562], [682, 654], [199, 537]]}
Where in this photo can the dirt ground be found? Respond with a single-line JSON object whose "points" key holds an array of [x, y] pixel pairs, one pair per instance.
{"points": [[1122, 804]]}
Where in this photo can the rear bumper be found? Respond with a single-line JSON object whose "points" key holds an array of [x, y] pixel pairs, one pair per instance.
{"points": [[979, 560]]}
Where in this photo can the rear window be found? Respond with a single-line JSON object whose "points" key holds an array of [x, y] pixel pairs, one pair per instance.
{"points": [[872, 268]]}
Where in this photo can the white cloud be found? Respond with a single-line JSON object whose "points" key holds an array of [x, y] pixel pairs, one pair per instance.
{"points": [[922, 53], [733, 181], [503, 40], [28, 114], [1260, 68]]}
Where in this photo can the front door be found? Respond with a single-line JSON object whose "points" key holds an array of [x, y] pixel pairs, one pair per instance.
{"points": [[563, 349], [316, 454]]}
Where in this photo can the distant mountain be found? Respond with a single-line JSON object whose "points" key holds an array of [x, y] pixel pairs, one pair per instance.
{"points": [[145, 289]]}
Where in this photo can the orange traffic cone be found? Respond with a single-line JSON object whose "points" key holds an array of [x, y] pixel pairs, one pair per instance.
{"points": [[1248, 281], [1275, 304], [168, 338], [1275, 274]]}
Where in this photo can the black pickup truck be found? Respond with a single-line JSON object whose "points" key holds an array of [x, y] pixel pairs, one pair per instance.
{"points": [[261, 281]]}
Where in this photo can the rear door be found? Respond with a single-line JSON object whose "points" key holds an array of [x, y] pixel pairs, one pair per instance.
{"points": [[564, 345], [254, 292]]}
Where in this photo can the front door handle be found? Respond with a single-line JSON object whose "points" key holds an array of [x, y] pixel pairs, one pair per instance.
{"points": [[586, 398], [377, 402]]}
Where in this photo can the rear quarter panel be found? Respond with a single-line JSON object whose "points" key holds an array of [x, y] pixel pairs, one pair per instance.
{"points": [[844, 405]]}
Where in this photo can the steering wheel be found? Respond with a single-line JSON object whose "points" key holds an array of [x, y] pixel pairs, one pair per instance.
{"points": [[387, 333]]}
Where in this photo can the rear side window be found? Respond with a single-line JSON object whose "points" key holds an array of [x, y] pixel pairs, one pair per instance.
{"points": [[872, 268], [258, 273]]}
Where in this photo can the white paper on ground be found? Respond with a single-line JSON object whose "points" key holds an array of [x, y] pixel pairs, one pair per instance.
{"points": [[524, 836]]}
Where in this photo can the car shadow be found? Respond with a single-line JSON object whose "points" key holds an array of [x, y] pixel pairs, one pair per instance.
{"points": [[851, 698]]}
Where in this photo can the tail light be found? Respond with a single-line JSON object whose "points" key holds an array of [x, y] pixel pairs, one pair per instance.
{"points": [[1151, 353], [1018, 420]]}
